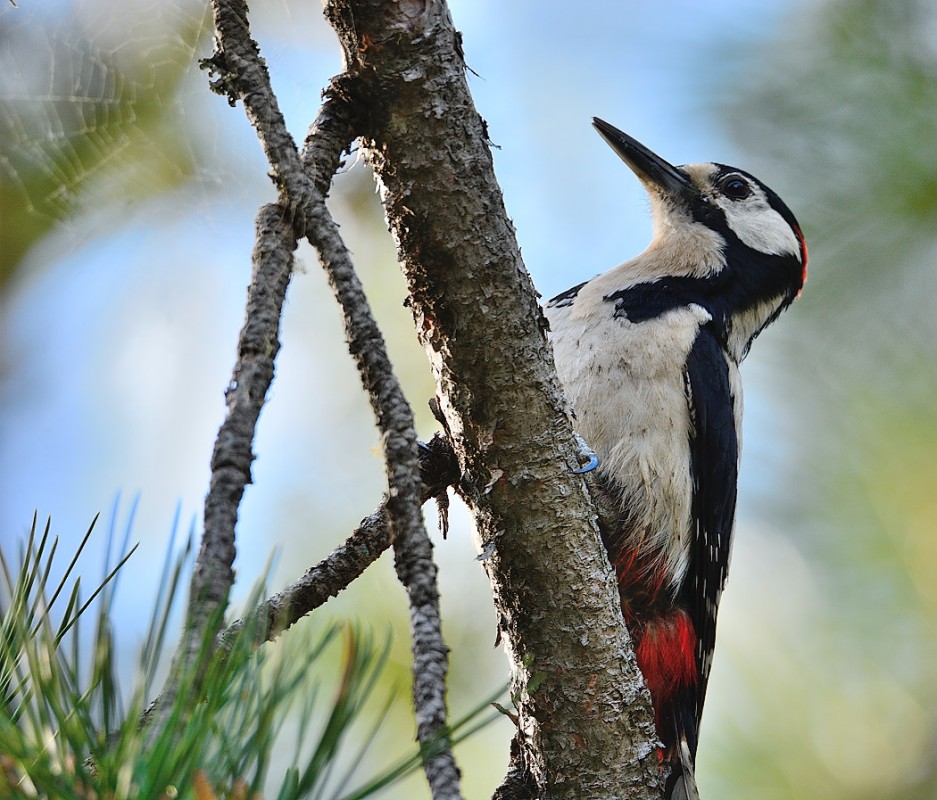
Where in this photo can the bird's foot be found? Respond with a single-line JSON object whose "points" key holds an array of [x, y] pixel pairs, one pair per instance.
{"points": [[586, 454]]}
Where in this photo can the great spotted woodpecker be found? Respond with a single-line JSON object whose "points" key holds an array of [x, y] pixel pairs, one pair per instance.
{"points": [[648, 355]]}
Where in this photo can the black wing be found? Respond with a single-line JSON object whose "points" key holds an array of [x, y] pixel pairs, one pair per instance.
{"points": [[714, 453], [566, 298]]}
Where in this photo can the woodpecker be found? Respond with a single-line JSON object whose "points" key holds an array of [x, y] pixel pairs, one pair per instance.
{"points": [[648, 354]]}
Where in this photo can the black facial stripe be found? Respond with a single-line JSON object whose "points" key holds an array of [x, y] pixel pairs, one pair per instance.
{"points": [[744, 283]]}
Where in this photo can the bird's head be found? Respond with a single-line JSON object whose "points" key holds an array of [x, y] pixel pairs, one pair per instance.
{"points": [[723, 229]]}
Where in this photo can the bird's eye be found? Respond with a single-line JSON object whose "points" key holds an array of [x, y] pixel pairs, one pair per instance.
{"points": [[735, 188]]}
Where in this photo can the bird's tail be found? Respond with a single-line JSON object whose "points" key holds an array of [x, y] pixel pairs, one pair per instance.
{"points": [[681, 783]]}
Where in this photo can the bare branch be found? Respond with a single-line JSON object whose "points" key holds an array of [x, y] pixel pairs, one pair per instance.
{"points": [[438, 471], [413, 560], [233, 453], [242, 74], [331, 133], [412, 547], [346, 562], [325, 580]]}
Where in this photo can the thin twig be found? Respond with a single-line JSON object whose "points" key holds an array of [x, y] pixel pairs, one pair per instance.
{"points": [[413, 549], [242, 74], [318, 584], [233, 454], [439, 469], [232, 457], [413, 561], [331, 132]]}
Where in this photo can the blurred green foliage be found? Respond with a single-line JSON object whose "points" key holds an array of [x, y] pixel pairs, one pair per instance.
{"points": [[843, 108], [84, 125]]}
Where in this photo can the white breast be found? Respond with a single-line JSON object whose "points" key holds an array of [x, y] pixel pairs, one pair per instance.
{"points": [[626, 383]]}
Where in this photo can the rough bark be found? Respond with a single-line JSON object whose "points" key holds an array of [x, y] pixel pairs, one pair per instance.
{"points": [[585, 725]]}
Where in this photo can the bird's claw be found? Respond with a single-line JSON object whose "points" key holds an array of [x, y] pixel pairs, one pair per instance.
{"points": [[588, 455]]}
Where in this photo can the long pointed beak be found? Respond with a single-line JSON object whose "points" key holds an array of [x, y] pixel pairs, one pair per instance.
{"points": [[651, 169]]}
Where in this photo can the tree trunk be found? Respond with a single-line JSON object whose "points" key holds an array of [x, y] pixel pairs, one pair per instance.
{"points": [[585, 725]]}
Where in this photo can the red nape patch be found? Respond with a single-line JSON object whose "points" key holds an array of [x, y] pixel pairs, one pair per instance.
{"points": [[666, 655], [803, 255]]}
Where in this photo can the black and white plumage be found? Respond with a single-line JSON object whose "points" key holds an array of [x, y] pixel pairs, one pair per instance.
{"points": [[648, 355]]}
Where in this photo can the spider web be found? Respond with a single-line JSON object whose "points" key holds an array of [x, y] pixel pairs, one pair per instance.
{"points": [[91, 108]]}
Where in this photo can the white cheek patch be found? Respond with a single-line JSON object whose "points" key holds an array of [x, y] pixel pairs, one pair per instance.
{"points": [[759, 226]]}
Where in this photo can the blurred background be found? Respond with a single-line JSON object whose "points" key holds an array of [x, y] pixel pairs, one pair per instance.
{"points": [[127, 198]]}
